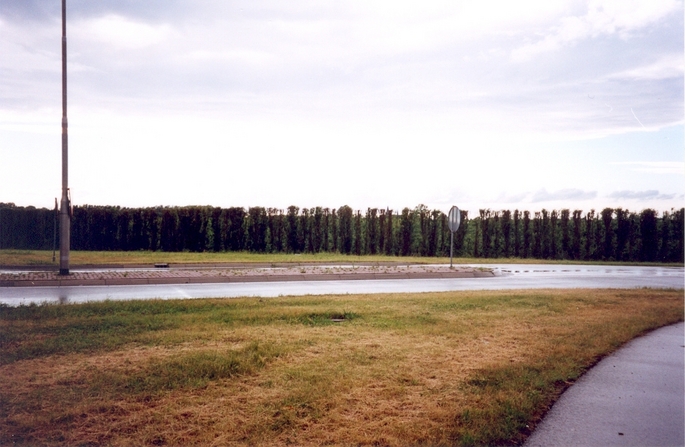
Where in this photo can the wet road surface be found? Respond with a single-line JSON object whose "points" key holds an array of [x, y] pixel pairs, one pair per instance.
{"points": [[508, 276]]}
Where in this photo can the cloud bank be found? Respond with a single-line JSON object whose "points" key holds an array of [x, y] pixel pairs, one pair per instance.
{"points": [[376, 103], [641, 195]]}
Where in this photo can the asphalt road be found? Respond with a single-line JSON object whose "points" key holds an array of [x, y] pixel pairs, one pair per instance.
{"points": [[508, 276]]}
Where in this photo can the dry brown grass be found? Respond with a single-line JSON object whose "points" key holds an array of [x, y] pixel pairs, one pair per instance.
{"points": [[403, 369]]}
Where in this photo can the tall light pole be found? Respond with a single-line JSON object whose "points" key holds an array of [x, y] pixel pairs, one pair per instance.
{"points": [[65, 213]]}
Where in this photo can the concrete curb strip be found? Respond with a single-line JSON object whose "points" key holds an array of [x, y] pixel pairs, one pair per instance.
{"points": [[176, 276]]}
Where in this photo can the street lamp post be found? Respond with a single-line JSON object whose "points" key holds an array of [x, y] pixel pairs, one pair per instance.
{"points": [[65, 214]]}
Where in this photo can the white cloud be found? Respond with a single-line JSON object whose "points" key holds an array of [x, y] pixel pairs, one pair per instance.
{"points": [[234, 56], [627, 16], [651, 194], [120, 32], [25, 50], [668, 66], [365, 90], [616, 17], [655, 167], [563, 194], [409, 24], [512, 197]]}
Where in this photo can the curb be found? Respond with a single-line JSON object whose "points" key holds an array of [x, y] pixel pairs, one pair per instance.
{"points": [[242, 279]]}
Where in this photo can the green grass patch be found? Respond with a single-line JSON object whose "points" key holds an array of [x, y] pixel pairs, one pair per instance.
{"points": [[190, 370], [123, 258], [456, 368], [44, 257], [92, 327]]}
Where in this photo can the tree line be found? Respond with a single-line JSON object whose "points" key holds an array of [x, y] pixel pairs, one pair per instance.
{"points": [[610, 235]]}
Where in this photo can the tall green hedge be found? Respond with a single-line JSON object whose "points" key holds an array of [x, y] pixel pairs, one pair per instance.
{"points": [[611, 235]]}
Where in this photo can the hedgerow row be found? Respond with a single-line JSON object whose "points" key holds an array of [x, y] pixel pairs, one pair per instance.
{"points": [[612, 234]]}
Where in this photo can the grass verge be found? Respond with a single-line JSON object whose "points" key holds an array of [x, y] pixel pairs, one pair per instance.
{"points": [[457, 368], [44, 258]]}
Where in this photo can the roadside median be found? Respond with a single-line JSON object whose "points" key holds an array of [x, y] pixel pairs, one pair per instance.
{"points": [[232, 274]]}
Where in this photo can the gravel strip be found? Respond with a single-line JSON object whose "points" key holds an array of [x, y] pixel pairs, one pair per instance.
{"points": [[227, 274]]}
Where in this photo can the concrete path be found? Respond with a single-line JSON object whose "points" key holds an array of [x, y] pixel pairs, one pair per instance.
{"points": [[634, 397]]}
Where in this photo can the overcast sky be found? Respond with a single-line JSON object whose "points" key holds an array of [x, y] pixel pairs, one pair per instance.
{"points": [[479, 104]]}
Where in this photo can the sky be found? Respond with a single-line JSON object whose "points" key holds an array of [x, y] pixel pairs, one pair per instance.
{"points": [[523, 105]]}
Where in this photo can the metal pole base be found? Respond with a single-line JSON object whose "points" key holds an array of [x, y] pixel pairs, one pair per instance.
{"points": [[64, 236]]}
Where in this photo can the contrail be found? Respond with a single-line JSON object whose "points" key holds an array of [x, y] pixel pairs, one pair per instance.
{"points": [[643, 126]]}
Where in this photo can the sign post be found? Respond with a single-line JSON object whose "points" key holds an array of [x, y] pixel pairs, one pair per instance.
{"points": [[453, 221]]}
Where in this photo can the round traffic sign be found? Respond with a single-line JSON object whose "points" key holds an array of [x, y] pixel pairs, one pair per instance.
{"points": [[454, 219]]}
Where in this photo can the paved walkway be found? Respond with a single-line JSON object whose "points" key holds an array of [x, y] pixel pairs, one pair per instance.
{"points": [[634, 397]]}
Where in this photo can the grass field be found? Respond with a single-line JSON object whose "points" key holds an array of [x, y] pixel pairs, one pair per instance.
{"points": [[38, 257], [457, 368]]}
